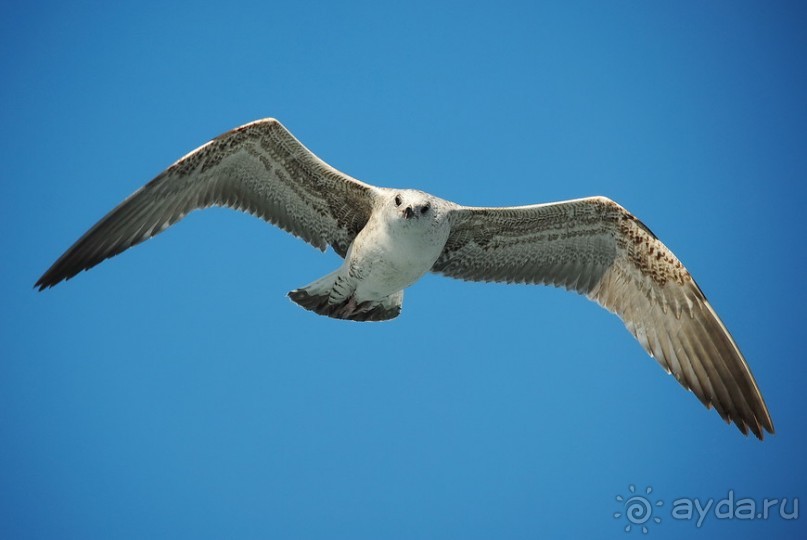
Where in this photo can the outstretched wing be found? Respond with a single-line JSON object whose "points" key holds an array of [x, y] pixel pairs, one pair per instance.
{"points": [[259, 168], [595, 247]]}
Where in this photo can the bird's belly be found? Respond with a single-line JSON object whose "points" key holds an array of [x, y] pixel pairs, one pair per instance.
{"points": [[382, 272], [388, 278]]}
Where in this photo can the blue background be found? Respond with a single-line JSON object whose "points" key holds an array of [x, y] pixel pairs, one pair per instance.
{"points": [[175, 392]]}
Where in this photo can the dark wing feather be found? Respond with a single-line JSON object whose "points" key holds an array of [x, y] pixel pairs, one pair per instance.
{"points": [[595, 247], [259, 168]]}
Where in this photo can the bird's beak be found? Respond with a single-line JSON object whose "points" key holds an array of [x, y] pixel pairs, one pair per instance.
{"points": [[408, 212]]}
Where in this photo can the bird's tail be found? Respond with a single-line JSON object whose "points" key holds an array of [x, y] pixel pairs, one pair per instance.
{"points": [[333, 296]]}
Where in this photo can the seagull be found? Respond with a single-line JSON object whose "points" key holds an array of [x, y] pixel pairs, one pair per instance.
{"points": [[389, 238]]}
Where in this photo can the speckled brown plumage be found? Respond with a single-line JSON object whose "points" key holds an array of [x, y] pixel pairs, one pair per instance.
{"points": [[259, 168], [592, 246], [595, 247]]}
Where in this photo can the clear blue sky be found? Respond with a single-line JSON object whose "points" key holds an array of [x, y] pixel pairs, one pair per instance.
{"points": [[175, 392]]}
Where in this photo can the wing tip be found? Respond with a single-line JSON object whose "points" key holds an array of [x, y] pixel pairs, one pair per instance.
{"points": [[61, 270], [48, 281], [755, 425]]}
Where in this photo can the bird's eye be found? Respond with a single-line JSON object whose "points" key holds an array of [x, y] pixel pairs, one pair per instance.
{"points": [[398, 200], [425, 208]]}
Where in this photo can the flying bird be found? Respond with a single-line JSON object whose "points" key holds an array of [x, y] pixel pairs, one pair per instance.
{"points": [[389, 238]]}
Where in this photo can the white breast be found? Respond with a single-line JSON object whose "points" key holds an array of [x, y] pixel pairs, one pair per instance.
{"points": [[388, 256]]}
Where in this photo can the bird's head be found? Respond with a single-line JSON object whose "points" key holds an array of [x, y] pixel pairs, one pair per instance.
{"points": [[412, 206]]}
